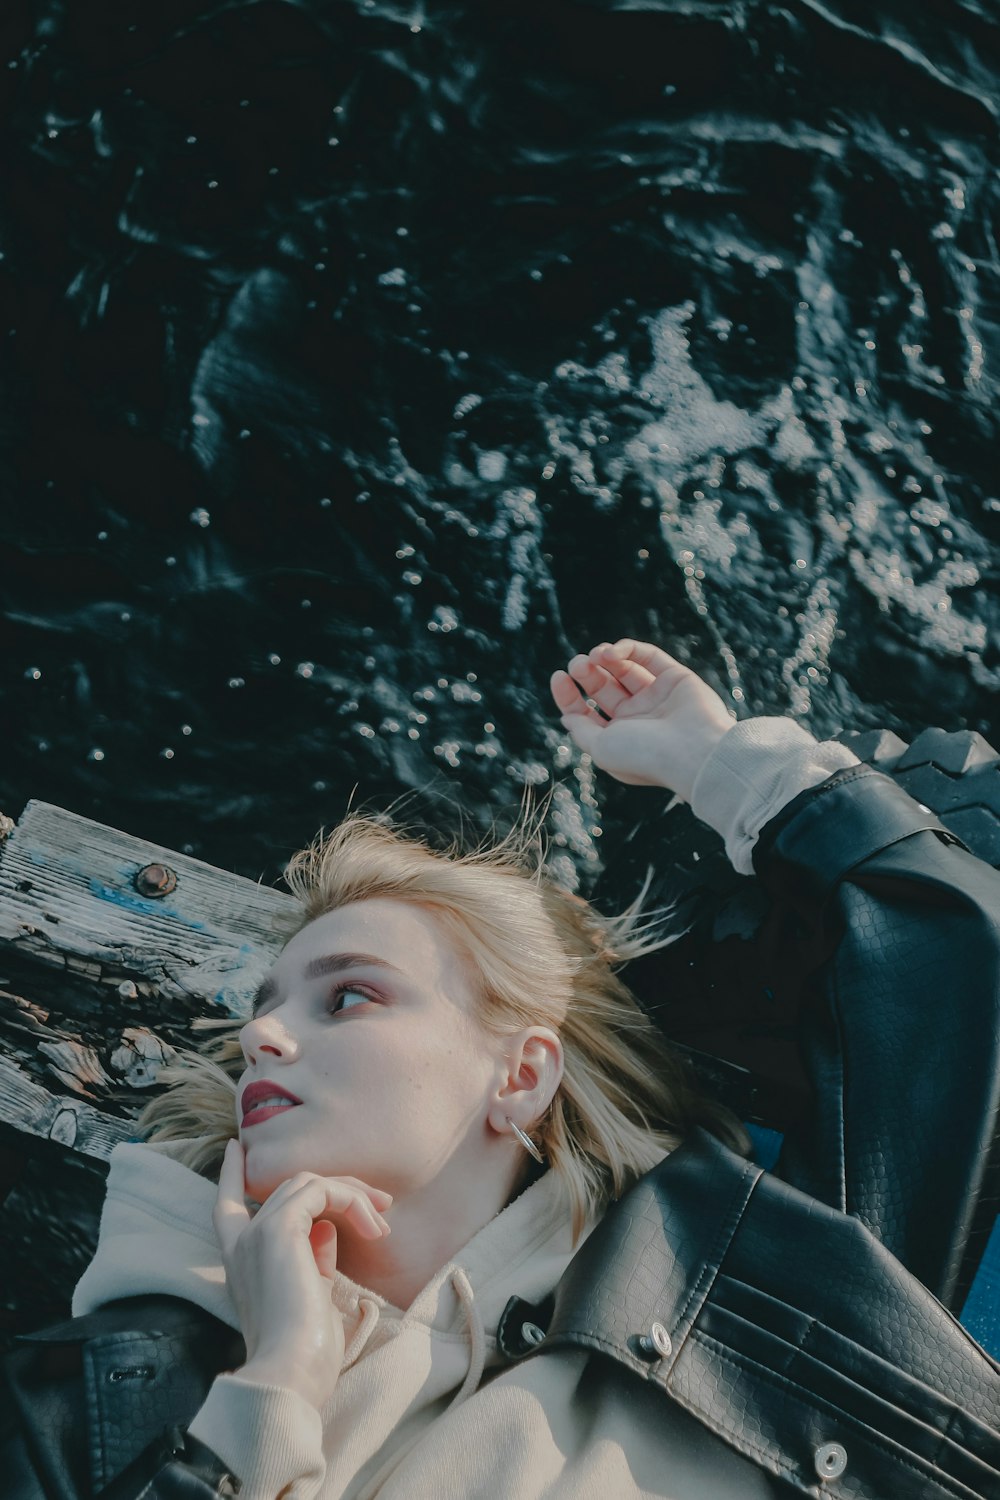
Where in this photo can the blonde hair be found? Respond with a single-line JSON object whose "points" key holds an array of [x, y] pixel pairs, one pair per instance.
{"points": [[539, 955]]}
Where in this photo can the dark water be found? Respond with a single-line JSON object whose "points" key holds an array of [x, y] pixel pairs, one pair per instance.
{"points": [[361, 362]]}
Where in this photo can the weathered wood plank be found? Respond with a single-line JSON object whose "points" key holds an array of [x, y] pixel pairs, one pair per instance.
{"points": [[102, 978], [99, 982], [68, 896], [30, 1109]]}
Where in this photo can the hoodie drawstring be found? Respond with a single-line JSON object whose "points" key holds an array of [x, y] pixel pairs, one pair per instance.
{"points": [[477, 1337], [477, 1364]]}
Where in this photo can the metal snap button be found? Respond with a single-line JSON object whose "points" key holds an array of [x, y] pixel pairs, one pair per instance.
{"points": [[656, 1342], [531, 1333], [830, 1460]]}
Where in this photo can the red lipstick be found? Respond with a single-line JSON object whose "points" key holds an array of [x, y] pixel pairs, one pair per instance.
{"points": [[256, 1111]]}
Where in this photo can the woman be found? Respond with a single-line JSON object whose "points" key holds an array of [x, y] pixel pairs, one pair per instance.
{"points": [[455, 1188]]}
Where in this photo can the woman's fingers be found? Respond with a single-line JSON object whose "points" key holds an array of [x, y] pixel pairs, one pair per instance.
{"points": [[596, 683], [643, 653], [632, 677], [644, 668], [230, 1214], [307, 1198], [323, 1239], [379, 1196], [612, 673], [566, 693], [285, 1189], [326, 1198]]}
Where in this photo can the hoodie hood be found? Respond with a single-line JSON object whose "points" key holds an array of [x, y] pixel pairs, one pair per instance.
{"points": [[157, 1236]]}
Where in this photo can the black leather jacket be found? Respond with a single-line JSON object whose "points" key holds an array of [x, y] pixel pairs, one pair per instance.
{"points": [[789, 1311]]}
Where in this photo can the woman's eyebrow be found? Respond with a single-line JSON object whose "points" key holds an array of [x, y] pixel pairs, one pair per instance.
{"points": [[331, 963]]}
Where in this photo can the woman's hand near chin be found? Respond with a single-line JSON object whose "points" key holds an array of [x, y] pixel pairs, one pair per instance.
{"points": [[662, 718], [279, 1262]]}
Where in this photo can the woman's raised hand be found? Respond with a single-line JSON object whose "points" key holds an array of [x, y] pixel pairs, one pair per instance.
{"points": [[278, 1263], [662, 719]]}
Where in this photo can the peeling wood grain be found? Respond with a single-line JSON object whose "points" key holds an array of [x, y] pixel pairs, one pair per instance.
{"points": [[113, 1053], [140, 1056], [22, 1014], [33, 1110], [210, 938], [102, 980], [106, 964], [76, 1065]]}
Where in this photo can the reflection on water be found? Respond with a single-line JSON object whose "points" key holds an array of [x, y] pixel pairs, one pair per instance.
{"points": [[363, 362]]}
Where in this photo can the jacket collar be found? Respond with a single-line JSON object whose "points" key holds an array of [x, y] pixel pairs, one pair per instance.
{"points": [[649, 1264]]}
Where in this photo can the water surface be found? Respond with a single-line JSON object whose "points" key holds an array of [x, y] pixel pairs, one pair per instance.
{"points": [[364, 361]]}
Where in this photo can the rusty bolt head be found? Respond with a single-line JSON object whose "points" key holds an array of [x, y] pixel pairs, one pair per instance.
{"points": [[155, 880]]}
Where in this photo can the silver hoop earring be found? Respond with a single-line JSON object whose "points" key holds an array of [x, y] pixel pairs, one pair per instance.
{"points": [[525, 1140]]}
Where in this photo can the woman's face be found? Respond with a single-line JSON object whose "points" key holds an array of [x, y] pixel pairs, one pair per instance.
{"points": [[367, 1018]]}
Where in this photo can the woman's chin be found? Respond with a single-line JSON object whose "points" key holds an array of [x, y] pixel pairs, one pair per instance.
{"points": [[265, 1170], [263, 1177], [269, 1163]]}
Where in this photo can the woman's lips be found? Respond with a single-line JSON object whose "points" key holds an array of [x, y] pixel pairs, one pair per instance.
{"points": [[264, 1112]]}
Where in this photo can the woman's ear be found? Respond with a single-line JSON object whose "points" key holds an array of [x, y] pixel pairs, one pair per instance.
{"points": [[533, 1070]]}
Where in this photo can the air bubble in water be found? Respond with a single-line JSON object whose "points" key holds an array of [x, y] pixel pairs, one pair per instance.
{"points": [[465, 405], [491, 466], [443, 618]]}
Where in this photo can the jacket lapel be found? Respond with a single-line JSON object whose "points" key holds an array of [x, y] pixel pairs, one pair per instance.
{"points": [[651, 1261]]}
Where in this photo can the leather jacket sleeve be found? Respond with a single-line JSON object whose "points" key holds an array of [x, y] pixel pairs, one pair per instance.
{"points": [[99, 1405], [888, 929], [174, 1467]]}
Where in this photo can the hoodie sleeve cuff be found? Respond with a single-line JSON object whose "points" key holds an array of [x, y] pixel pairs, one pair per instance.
{"points": [[270, 1438], [755, 769]]}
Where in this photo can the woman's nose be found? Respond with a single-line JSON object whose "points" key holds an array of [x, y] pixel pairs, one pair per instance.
{"points": [[270, 1037]]}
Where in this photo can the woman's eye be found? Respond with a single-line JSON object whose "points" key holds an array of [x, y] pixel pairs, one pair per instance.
{"points": [[345, 996]]}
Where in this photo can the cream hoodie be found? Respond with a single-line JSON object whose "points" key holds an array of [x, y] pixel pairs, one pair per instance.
{"points": [[424, 1408]]}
